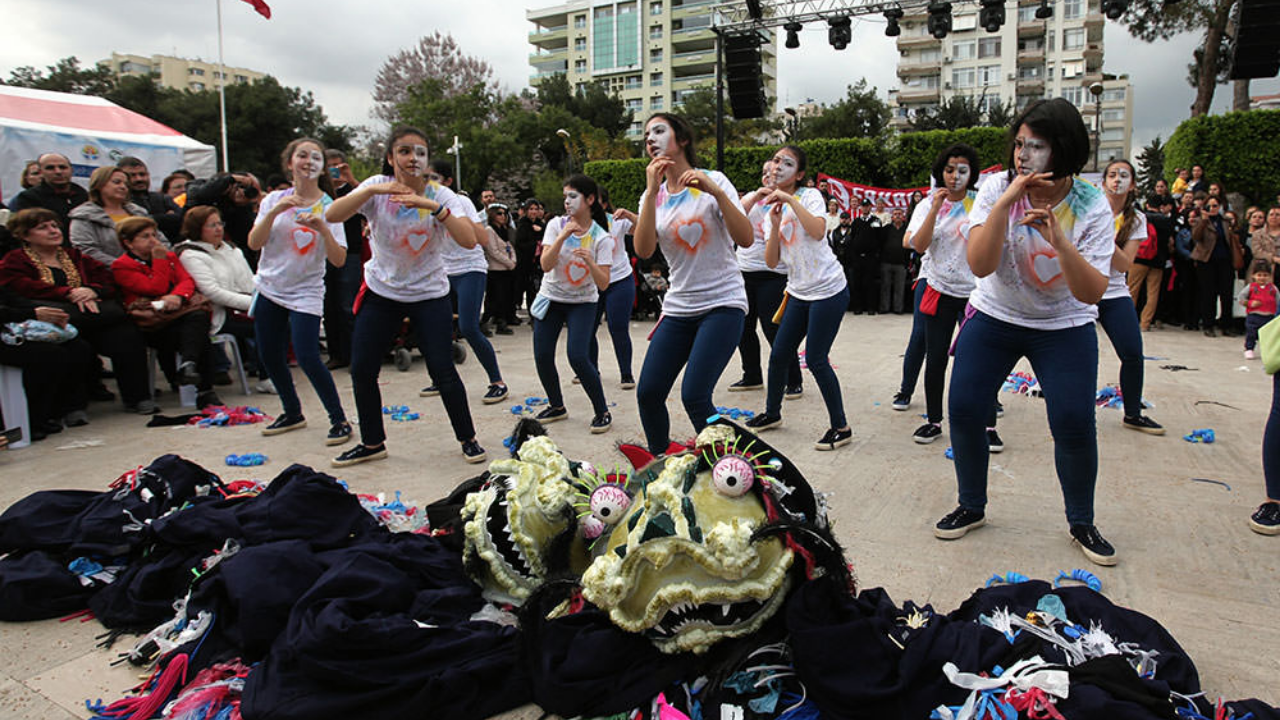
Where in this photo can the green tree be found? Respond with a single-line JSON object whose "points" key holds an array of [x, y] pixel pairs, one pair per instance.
{"points": [[699, 108], [861, 113], [65, 76], [1150, 166], [435, 57], [1151, 20], [1001, 114], [591, 102], [957, 111]]}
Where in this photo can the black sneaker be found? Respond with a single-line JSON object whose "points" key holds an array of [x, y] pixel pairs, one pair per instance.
{"points": [[901, 401], [793, 392], [496, 394], [338, 433], [927, 433], [628, 382], [358, 454], [284, 424], [1142, 423], [744, 385], [958, 523], [429, 391], [472, 452], [994, 443], [1266, 519], [1093, 545], [602, 422], [764, 421], [833, 439], [552, 414], [207, 398], [999, 409]]}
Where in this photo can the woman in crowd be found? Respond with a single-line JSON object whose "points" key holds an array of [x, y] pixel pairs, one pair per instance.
{"points": [[576, 255], [1040, 244], [163, 301], [817, 294], [1265, 240], [93, 224], [697, 219], [405, 277], [221, 274], [44, 272], [1217, 255], [1148, 272], [832, 219], [1217, 191], [499, 297], [466, 267], [1116, 312], [615, 303], [529, 231], [31, 174], [294, 241], [765, 288], [937, 233], [54, 374]]}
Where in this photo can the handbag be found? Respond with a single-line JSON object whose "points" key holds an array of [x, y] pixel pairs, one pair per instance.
{"points": [[146, 316], [17, 333], [1269, 345]]}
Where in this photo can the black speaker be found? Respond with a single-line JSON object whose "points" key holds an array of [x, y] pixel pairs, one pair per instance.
{"points": [[1257, 48], [743, 76]]}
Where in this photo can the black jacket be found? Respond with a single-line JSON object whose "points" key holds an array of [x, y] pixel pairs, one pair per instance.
{"points": [[163, 210], [43, 196]]}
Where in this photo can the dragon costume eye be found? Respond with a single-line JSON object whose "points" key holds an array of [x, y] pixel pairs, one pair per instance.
{"points": [[601, 501], [609, 503], [733, 476]]}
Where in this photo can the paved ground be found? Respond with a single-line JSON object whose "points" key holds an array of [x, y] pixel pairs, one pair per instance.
{"points": [[1188, 558]]}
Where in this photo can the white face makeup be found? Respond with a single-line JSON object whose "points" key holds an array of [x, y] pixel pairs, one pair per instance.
{"points": [[1033, 153], [785, 169], [1119, 180], [572, 202], [308, 162], [411, 158], [659, 139], [766, 175], [960, 175]]}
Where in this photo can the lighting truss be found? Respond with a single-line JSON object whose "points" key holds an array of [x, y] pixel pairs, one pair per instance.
{"points": [[732, 18]]}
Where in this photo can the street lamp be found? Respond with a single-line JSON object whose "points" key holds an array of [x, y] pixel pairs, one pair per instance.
{"points": [[568, 149], [1096, 91], [457, 162]]}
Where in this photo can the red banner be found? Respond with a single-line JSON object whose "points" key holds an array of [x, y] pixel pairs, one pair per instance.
{"points": [[850, 195]]}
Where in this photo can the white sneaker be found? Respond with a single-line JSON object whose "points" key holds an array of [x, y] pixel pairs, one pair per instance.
{"points": [[1250, 355], [265, 387]]}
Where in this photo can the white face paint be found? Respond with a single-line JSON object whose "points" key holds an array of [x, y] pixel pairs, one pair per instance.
{"points": [[659, 139], [960, 177], [573, 202], [766, 175], [1033, 154], [1119, 180], [307, 161], [411, 158], [785, 169]]}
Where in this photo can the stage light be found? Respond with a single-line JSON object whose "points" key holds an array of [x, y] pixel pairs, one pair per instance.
{"points": [[1114, 8], [939, 18], [991, 16], [1045, 11], [839, 33], [753, 9], [793, 34], [893, 15]]}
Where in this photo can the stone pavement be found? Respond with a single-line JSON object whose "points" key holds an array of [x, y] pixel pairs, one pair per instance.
{"points": [[1187, 556]]}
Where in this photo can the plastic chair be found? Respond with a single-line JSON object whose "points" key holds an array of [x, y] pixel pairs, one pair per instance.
{"points": [[13, 403], [230, 341], [186, 393]]}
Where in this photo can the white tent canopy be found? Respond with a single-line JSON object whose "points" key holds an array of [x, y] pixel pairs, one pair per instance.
{"points": [[91, 132]]}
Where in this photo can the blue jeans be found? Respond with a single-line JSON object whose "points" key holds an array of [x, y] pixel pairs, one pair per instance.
{"points": [[579, 317], [913, 358], [1119, 319], [615, 304], [377, 323], [1066, 364], [274, 326], [467, 292], [764, 295], [1253, 322], [816, 322], [1271, 443], [697, 344]]}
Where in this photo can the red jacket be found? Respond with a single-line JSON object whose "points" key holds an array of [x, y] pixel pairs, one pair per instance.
{"points": [[21, 276], [165, 276]]}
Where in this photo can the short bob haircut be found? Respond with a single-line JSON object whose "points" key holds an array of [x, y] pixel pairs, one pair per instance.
{"points": [[1059, 122], [132, 227], [959, 150], [802, 161], [24, 221], [683, 132], [193, 221], [99, 179]]}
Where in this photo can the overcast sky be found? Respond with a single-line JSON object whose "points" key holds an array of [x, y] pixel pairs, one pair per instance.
{"points": [[334, 48]]}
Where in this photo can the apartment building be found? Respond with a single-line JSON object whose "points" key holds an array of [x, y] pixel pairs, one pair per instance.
{"points": [[649, 52], [178, 73], [1027, 59]]}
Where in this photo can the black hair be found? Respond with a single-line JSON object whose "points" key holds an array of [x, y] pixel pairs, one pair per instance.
{"points": [[683, 132], [129, 161], [587, 186], [604, 199], [802, 161], [444, 169], [323, 180], [1129, 212], [960, 150], [397, 132], [1058, 122]]}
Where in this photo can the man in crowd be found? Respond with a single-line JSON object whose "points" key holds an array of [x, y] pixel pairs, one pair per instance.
{"points": [[342, 283], [863, 255], [529, 231], [236, 195], [159, 206], [55, 192], [893, 263]]}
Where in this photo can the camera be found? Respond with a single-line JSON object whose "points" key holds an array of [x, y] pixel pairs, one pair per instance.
{"points": [[250, 192], [335, 173]]}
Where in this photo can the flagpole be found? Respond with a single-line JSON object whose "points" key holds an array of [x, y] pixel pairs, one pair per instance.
{"points": [[222, 93]]}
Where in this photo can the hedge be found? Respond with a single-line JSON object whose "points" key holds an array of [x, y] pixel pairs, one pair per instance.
{"points": [[1241, 150], [902, 162]]}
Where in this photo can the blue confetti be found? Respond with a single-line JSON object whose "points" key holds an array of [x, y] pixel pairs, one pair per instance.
{"points": [[1204, 435], [247, 460], [951, 454]]}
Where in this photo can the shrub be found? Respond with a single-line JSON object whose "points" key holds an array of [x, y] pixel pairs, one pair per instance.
{"points": [[913, 153], [1241, 150]]}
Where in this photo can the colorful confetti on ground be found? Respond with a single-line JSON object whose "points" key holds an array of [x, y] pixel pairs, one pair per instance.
{"points": [[400, 413], [1110, 396], [1204, 435], [1021, 383], [224, 415], [804, 362], [531, 405], [734, 413], [246, 460], [396, 516]]}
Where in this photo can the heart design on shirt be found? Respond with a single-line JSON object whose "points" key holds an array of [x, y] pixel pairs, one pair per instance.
{"points": [[303, 238], [576, 272], [1045, 268], [690, 233], [417, 239], [787, 230]]}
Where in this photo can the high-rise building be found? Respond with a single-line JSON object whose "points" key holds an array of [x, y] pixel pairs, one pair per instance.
{"points": [[178, 73], [649, 52], [1028, 58]]}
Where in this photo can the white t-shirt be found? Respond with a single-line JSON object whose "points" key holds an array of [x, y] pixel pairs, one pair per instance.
{"points": [[698, 250], [621, 267], [570, 280], [291, 267], [946, 262], [405, 244], [751, 259], [1028, 288], [813, 273], [457, 259], [1117, 284]]}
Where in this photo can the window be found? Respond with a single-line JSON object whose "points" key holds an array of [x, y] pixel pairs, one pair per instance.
{"points": [[195, 71], [1073, 94], [1073, 39], [197, 86], [655, 8], [963, 78], [989, 75], [634, 105], [655, 79], [655, 32], [579, 44], [968, 21], [579, 21], [1033, 45], [986, 102], [931, 56], [655, 102], [1116, 135], [964, 50], [1072, 9], [1116, 95], [1027, 14], [636, 128], [655, 55], [989, 47], [928, 82], [1072, 68], [242, 78], [1109, 116], [633, 82], [580, 66], [133, 67], [1033, 72]]}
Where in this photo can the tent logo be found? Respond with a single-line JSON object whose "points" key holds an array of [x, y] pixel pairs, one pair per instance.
{"points": [[115, 155], [89, 152]]}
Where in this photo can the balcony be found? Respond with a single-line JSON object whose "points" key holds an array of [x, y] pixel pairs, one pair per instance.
{"points": [[1030, 85], [691, 10], [693, 59], [918, 94], [1095, 22], [918, 68], [552, 37], [906, 42], [1034, 56], [1034, 28], [699, 36], [1093, 51], [539, 58], [691, 82]]}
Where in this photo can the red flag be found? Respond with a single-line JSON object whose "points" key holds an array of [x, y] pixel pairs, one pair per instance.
{"points": [[261, 7]]}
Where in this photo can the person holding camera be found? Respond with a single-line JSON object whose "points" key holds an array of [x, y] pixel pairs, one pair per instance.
{"points": [[236, 195]]}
